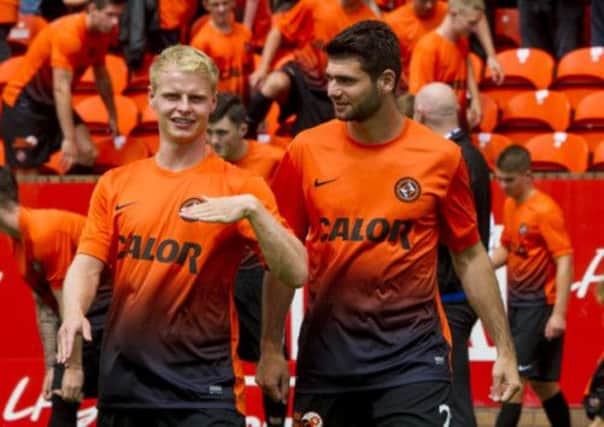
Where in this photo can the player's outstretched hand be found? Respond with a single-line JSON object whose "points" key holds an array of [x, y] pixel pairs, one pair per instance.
{"points": [[272, 375], [225, 210], [73, 325], [506, 381]]}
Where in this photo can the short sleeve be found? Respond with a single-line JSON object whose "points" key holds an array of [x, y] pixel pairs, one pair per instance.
{"points": [[553, 230], [63, 50], [421, 69], [98, 234], [287, 185], [458, 229]]}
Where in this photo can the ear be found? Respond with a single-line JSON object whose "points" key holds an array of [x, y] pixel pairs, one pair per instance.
{"points": [[386, 82], [242, 129], [91, 7]]}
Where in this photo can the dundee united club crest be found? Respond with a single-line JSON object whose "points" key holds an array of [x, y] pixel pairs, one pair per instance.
{"points": [[407, 189]]}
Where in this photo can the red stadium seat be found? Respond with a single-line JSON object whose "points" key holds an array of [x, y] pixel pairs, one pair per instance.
{"points": [[559, 151], [507, 29], [490, 114], [491, 145], [598, 158], [534, 112], [93, 112], [589, 119], [525, 69], [118, 71], [580, 72]]}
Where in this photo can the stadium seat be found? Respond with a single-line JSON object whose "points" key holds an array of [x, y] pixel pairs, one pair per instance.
{"points": [[24, 31], [490, 114], [8, 69], [93, 112], [148, 121], [525, 69], [589, 119], [507, 29], [111, 156], [118, 71], [580, 72], [491, 145], [597, 163], [534, 112], [559, 151], [149, 139]]}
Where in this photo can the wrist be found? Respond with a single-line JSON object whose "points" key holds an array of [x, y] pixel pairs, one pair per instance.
{"points": [[252, 207], [271, 347]]}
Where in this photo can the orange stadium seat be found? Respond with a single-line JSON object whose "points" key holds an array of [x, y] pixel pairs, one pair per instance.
{"points": [[589, 119], [93, 112], [559, 151], [534, 112], [597, 163], [580, 72], [491, 145], [118, 71], [490, 114], [137, 88], [8, 69], [24, 31], [111, 156], [507, 28], [525, 69]]}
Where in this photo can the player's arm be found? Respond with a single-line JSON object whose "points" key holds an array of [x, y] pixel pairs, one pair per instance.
{"points": [[599, 292], [249, 13], [271, 46], [61, 80], [48, 325], [480, 286], [499, 257], [272, 371], [474, 112], [556, 324], [103, 84], [486, 40]]}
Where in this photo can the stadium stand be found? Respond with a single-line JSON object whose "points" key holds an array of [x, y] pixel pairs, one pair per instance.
{"points": [[559, 151], [588, 120], [491, 145]]}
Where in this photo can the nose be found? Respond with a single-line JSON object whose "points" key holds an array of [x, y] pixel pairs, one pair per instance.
{"points": [[183, 105], [333, 90]]}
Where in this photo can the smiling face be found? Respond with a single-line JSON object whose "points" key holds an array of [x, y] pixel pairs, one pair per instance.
{"points": [[354, 94], [107, 19], [226, 138], [183, 101]]}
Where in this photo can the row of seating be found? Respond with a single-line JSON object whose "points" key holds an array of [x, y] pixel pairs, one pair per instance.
{"points": [[555, 151]]}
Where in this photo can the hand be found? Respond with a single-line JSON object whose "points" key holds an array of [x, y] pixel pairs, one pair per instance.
{"points": [[71, 386], [506, 381], [555, 326], [474, 114], [496, 70], [70, 154], [87, 154], [224, 210], [47, 384], [272, 375], [257, 78], [73, 324]]}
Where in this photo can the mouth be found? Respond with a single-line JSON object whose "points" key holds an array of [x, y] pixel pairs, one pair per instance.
{"points": [[182, 123]]}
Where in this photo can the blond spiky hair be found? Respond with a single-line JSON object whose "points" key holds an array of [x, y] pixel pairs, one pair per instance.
{"points": [[467, 4], [184, 58]]}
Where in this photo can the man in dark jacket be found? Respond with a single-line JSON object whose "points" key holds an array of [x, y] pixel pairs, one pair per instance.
{"points": [[436, 107]]}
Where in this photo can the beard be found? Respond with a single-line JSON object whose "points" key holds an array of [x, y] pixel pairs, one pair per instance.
{"points": [[363, 109]]}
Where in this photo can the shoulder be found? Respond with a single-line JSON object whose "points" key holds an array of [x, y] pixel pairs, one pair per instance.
{"points": [[69, 30], [546, 205], [127, 175], [47, 225], [419, 137]]}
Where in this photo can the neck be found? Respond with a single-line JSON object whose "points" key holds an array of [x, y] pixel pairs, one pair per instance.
{"points": [[442, 129], [9, 221], [241, 151], [178, 157], [528, 192], [383, 126], [445, 29], [226, 27]]}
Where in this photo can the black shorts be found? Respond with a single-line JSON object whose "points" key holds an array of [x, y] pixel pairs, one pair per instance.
{"points": [[31, 118], [311, 104], [422, 404], [538, 358], [593, 401], [248, 301], [215, 417], [91, 352]]}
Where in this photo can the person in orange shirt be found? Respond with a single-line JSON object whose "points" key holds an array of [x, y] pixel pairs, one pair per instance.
{"points": [[593, 401], [9, 12], [168, 356], [299, 86], [37, 113], [372, 194], [228, 43], [226, 131], [43, 243], [536, 249], [443, 56], [417, 18]]}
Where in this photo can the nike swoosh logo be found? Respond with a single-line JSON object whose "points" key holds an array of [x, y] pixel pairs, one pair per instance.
{"points": [[123, 205], [327, 181]]}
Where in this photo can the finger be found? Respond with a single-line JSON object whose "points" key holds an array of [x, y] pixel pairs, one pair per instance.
{"points": [[86, 331], [284, 389], [509, 392], [65, 345]]}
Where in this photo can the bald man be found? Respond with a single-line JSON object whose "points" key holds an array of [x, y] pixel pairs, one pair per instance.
{"points": [[436, 107]]}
